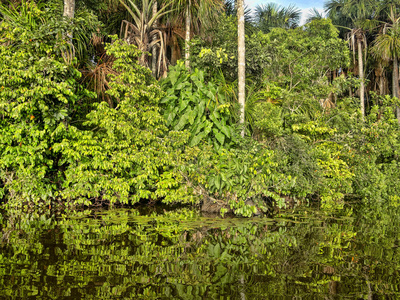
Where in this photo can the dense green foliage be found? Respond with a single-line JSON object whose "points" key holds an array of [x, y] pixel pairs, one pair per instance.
{"points": [[118, 136], [37, 96], [128, 154], [242, 180], [120, 154], [199, 107], [85, 123]]}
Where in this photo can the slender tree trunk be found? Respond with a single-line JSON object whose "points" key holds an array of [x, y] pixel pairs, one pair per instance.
{"points": [[361, 73], [334, 77], [241, 60], [381, 86], [395, 78], [187, 35], [69, 8], [143, 59], [243, 286], [69, 12], [379, 73], [175, 50], [154, 50], [396, 84]]}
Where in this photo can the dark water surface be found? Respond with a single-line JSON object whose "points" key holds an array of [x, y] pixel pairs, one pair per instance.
{"points": [[122, 254]]}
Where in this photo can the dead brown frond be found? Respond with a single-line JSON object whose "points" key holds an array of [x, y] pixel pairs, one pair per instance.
{"points": [[97, 41], [97, 78]]}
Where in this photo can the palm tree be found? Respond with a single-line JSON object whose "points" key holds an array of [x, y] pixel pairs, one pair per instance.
{"points": [[196, 12], [143, 32], [359, 15], [231, 10], [241, 60], [387, 47], [273, 15]]}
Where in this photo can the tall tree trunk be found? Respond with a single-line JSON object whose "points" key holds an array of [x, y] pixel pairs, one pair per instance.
{"points": [[396, 84], [69, 8], [379, 73], [381, 86], [361, 73], [175, 50], [334, 94], [154, 50], [69, 12], [395, 79], [143, 47], [241, 60], [187, 35]]}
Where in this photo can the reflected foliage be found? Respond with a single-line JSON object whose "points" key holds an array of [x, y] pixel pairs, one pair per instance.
{"points": [[180, 254]]}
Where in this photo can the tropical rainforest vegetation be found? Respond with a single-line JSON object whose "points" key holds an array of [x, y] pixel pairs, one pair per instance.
{"points": [[118, 102]]}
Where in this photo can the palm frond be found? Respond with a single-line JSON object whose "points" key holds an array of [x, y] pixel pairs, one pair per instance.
{"points": [[314, 14], [273, 15]]}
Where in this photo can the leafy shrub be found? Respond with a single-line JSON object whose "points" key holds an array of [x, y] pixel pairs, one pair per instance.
{"points": [[267, 120], [129, 154], [38, 92], [305, 148], [372, 149], [199, 107], [241, 179], [221, 52]]}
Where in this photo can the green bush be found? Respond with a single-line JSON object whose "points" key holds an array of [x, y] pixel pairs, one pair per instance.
{"points": [[199, 107], [38, 94], [245, 179], [372, 150], [129, 154], [120, 154]]}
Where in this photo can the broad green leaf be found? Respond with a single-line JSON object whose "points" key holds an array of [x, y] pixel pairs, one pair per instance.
{"points": [[171, 116], [215, 120], [197, 139], [219, 136], [208, 126], [225, 130], [192, 115], [217, 250], [180, 85], [168, 99], [173, 76], [181, 123], [216, 114], [184, 104], [202, 106], [198, 127], [217, 182]]}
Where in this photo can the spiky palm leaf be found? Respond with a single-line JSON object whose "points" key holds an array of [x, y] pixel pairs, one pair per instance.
{"points": [[143, 33], [387, 48], [273, 15], [203, 12], [230, 10], [314, 14]]}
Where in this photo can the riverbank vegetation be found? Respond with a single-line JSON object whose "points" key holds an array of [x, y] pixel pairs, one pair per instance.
{"points": [[128, 102]]}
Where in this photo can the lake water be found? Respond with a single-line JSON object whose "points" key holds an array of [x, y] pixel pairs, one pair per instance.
{"points": [[127, 254]]}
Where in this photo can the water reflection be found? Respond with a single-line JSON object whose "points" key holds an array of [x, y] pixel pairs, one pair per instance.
{"points": [[123, 254]]}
